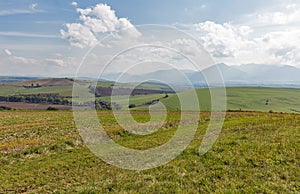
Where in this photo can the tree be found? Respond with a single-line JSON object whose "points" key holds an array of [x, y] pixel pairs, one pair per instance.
{"points": [[51, 108], [132, 106]]}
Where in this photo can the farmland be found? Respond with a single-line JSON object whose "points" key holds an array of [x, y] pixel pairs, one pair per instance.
{"points": [[238, 98], [246, 98], [255, 153]]}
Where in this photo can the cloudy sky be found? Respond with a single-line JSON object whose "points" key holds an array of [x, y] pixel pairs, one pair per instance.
{"points": [[49, 38]]}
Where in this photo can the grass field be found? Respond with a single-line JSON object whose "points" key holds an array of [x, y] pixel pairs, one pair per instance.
{"points": [[255, 153], [18, 90], [137, 99], [64, 86], [146, 86], [246, 98], [238, 98]]}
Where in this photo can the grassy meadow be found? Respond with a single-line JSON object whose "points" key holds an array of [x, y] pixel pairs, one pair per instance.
{"points": [[255, 153], [245, 99], [17, 90]]}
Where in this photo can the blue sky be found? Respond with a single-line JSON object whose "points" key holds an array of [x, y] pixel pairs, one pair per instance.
{"points": [[231, 30], [48, 16]]}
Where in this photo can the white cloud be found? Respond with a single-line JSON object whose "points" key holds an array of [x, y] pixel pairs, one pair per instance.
{"points": [[30, 10], [24, 34], [15, 11], [241, 44], [101, 18], [79, 35], [7, 52], [26, 66], [283, 15], [57, 62], [74, 4], [33, 6], [19, 60], [98, 19], [23, 60], [269, 36], [185, 46], [222, 40]]}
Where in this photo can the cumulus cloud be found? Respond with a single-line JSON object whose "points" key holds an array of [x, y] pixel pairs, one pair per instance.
{"points": [[285, 14], [222, 40], [241, 44], [79, 35], [267, 36], [74, 4], [7, 52], [185, 46], [98, 19]]}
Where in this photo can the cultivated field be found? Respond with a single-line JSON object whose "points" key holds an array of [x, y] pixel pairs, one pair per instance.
{"points": [[238, 98], [255, 153]]}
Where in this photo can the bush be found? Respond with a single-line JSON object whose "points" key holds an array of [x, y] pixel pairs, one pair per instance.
{"points": [[131, 106], [5, 108], [51, 108]]}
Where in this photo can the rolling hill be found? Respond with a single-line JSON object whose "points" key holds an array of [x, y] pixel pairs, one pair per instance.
{"points": [[44, 82], [245, 98], [242, 75]]}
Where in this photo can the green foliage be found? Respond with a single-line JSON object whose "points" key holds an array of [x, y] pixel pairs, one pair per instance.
{"points": [[5, 108], [37, 98], [51, 108], [132, 106]]}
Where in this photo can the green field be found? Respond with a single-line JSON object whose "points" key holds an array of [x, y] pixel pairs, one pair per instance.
{"points": [[238, 98], [255, 153], [146, 86], [245, 98], [137, 99], [17, 90]]}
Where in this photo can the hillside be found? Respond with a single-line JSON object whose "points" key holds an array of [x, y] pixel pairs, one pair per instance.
{"points": [[246, 98], [42, 152], [44, 82]]}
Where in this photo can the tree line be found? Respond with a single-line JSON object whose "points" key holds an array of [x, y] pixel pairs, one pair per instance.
{"points": [[37, 98], [56, 99]]}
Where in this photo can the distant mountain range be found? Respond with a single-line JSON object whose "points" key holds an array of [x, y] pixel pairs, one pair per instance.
{"points": [[243, 75]]}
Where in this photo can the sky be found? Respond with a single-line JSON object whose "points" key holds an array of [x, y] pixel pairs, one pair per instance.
{"points": [[50, 38]]}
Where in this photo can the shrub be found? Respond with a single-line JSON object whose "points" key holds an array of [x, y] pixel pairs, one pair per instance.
{"points": [[5, 108], [51, 108], [131, 106]]}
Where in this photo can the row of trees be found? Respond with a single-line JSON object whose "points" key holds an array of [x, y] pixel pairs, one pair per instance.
{"points": [[100, 105], [59, 100], [37, 98]]}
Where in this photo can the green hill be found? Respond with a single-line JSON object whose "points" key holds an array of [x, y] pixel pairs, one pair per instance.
{"points": [[245, 98], [42, 152]]}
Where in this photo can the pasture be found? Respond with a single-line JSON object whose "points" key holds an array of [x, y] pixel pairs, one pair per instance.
{"points": [[255, 153]]}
